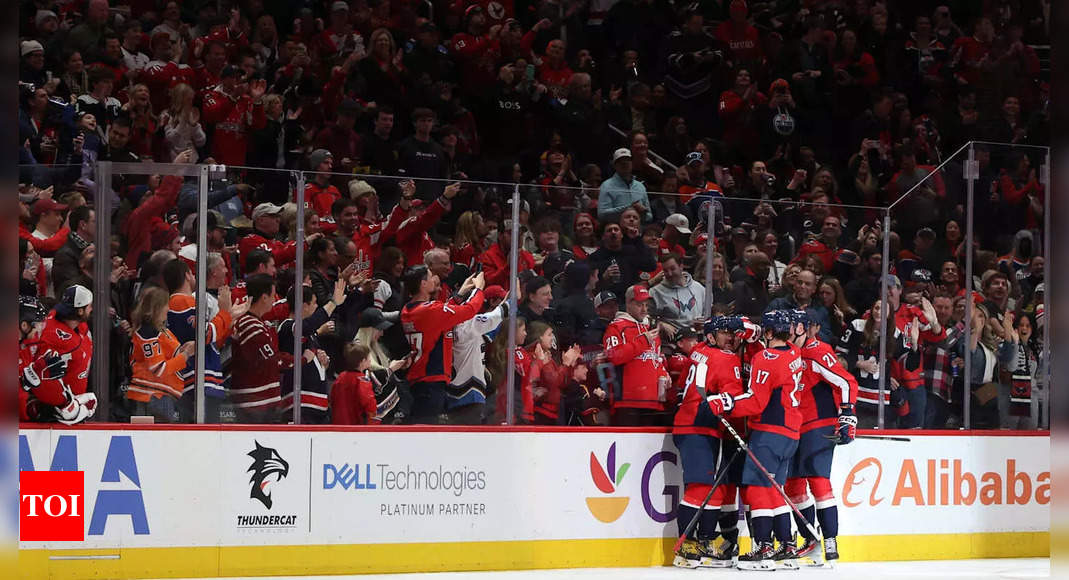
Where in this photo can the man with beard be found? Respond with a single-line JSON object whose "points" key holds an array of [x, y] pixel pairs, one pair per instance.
{"points": [[58, 375]]}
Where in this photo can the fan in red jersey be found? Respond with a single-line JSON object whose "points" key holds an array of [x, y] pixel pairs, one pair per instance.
{"points": [[428, 325]]}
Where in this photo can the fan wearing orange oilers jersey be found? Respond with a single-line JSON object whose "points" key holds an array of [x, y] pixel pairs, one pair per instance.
{"points": [[771, 400], [696, 433], [827, 405], [157, 359]]}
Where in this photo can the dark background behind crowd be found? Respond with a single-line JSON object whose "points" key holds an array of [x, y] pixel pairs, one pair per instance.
{"points": [[620, 121]]}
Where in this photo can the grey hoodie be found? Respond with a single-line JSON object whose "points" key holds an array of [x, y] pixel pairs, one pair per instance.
{"points": [[680, 305]]}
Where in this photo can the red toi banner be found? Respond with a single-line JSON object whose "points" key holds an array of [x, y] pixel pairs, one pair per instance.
{"points": [[51, 506]]}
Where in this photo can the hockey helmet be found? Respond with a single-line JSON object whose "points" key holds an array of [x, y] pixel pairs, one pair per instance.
{"points": [[778, 320]]}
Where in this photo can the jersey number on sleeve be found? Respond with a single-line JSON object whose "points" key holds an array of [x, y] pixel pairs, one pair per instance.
{"points": [[797, 389], [415, 340]]}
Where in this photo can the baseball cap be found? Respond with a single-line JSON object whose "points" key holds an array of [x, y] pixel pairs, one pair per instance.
{"points": [[740, 231], [638, 293], [266, 209], [359, 188], [893, 280], [30, 46], [373, 317], [77, 296], [679, 222], [694, 157], [43, 15], [318, 156], [47, 204], [620, 154], [779, 84], [494, 292], [472, 10], [339, 5], [604, 297], [1040, 288], [702, 240]]}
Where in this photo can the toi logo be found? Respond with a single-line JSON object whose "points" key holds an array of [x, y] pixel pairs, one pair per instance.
{"points": [[51, 506], [607, 509]]}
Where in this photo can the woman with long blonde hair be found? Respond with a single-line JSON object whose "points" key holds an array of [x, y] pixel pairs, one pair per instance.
{"points": [[157, 358], [181, 122]]}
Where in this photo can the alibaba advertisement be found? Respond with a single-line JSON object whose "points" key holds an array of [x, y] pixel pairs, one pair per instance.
{"points": [[936, 484]]}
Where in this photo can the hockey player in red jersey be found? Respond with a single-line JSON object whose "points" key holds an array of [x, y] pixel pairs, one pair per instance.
{"points": [[827, 405], [428, 325], [771, 400], [56, 374], [696, 433]]}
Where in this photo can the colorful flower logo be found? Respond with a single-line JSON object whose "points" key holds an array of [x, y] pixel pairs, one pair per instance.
{"points": [[607, 509]]}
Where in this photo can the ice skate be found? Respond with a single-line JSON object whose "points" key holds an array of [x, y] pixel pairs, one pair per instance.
{"points": [[786, 557], [809, 553], [689, 555], [831, 550], [726, 557], [760, 558]]}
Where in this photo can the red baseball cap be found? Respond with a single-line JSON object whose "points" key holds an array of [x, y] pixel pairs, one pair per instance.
{"points": [[47, 204], [494, 292], [638, 293]]}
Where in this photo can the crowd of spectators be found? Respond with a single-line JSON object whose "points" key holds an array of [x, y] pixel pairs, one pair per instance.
{"points": [[789, 123]]}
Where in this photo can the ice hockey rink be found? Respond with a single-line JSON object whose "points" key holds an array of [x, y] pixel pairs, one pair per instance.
{"points": [[1006, 568]]}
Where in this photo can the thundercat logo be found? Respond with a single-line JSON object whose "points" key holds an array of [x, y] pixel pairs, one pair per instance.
{"points": [[267, 468]]}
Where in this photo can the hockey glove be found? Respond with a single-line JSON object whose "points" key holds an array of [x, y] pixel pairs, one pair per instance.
{"points": [[749, 331], [49, 366], [721, 403], [847, 424], [78, 408]]}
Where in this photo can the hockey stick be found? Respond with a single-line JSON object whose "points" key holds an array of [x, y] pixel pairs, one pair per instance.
{"points": [[870, 437], [708, 496], [772, 480]]}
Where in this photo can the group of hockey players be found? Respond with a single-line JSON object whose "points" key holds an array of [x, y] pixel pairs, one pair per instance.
{"points": [[762, 408]]}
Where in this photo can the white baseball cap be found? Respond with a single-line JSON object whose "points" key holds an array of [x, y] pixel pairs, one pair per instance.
{"points": [[77, 296], [620, 154], [266, 209], [679, 222]]}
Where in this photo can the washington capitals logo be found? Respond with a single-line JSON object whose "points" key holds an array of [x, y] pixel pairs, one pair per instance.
{"points": [[267, 468], [685, 306]]}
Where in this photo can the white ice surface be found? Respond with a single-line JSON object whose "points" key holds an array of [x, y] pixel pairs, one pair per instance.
{"points": [[1010, 569]]}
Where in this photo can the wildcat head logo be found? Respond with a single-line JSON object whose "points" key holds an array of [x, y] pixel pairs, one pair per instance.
{"points": [[267, 468], [607, 509]]}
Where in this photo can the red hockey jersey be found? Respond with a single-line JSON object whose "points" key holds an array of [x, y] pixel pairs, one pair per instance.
{"points": [[772, 396], [715, 371], [283, 252], [827, 385], [429, 329], [232, 119], [257, 364], [73, 345], [642, 362]]}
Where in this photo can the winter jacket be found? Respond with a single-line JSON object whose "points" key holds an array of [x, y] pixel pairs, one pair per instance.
{"points": [[642, 364]]}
